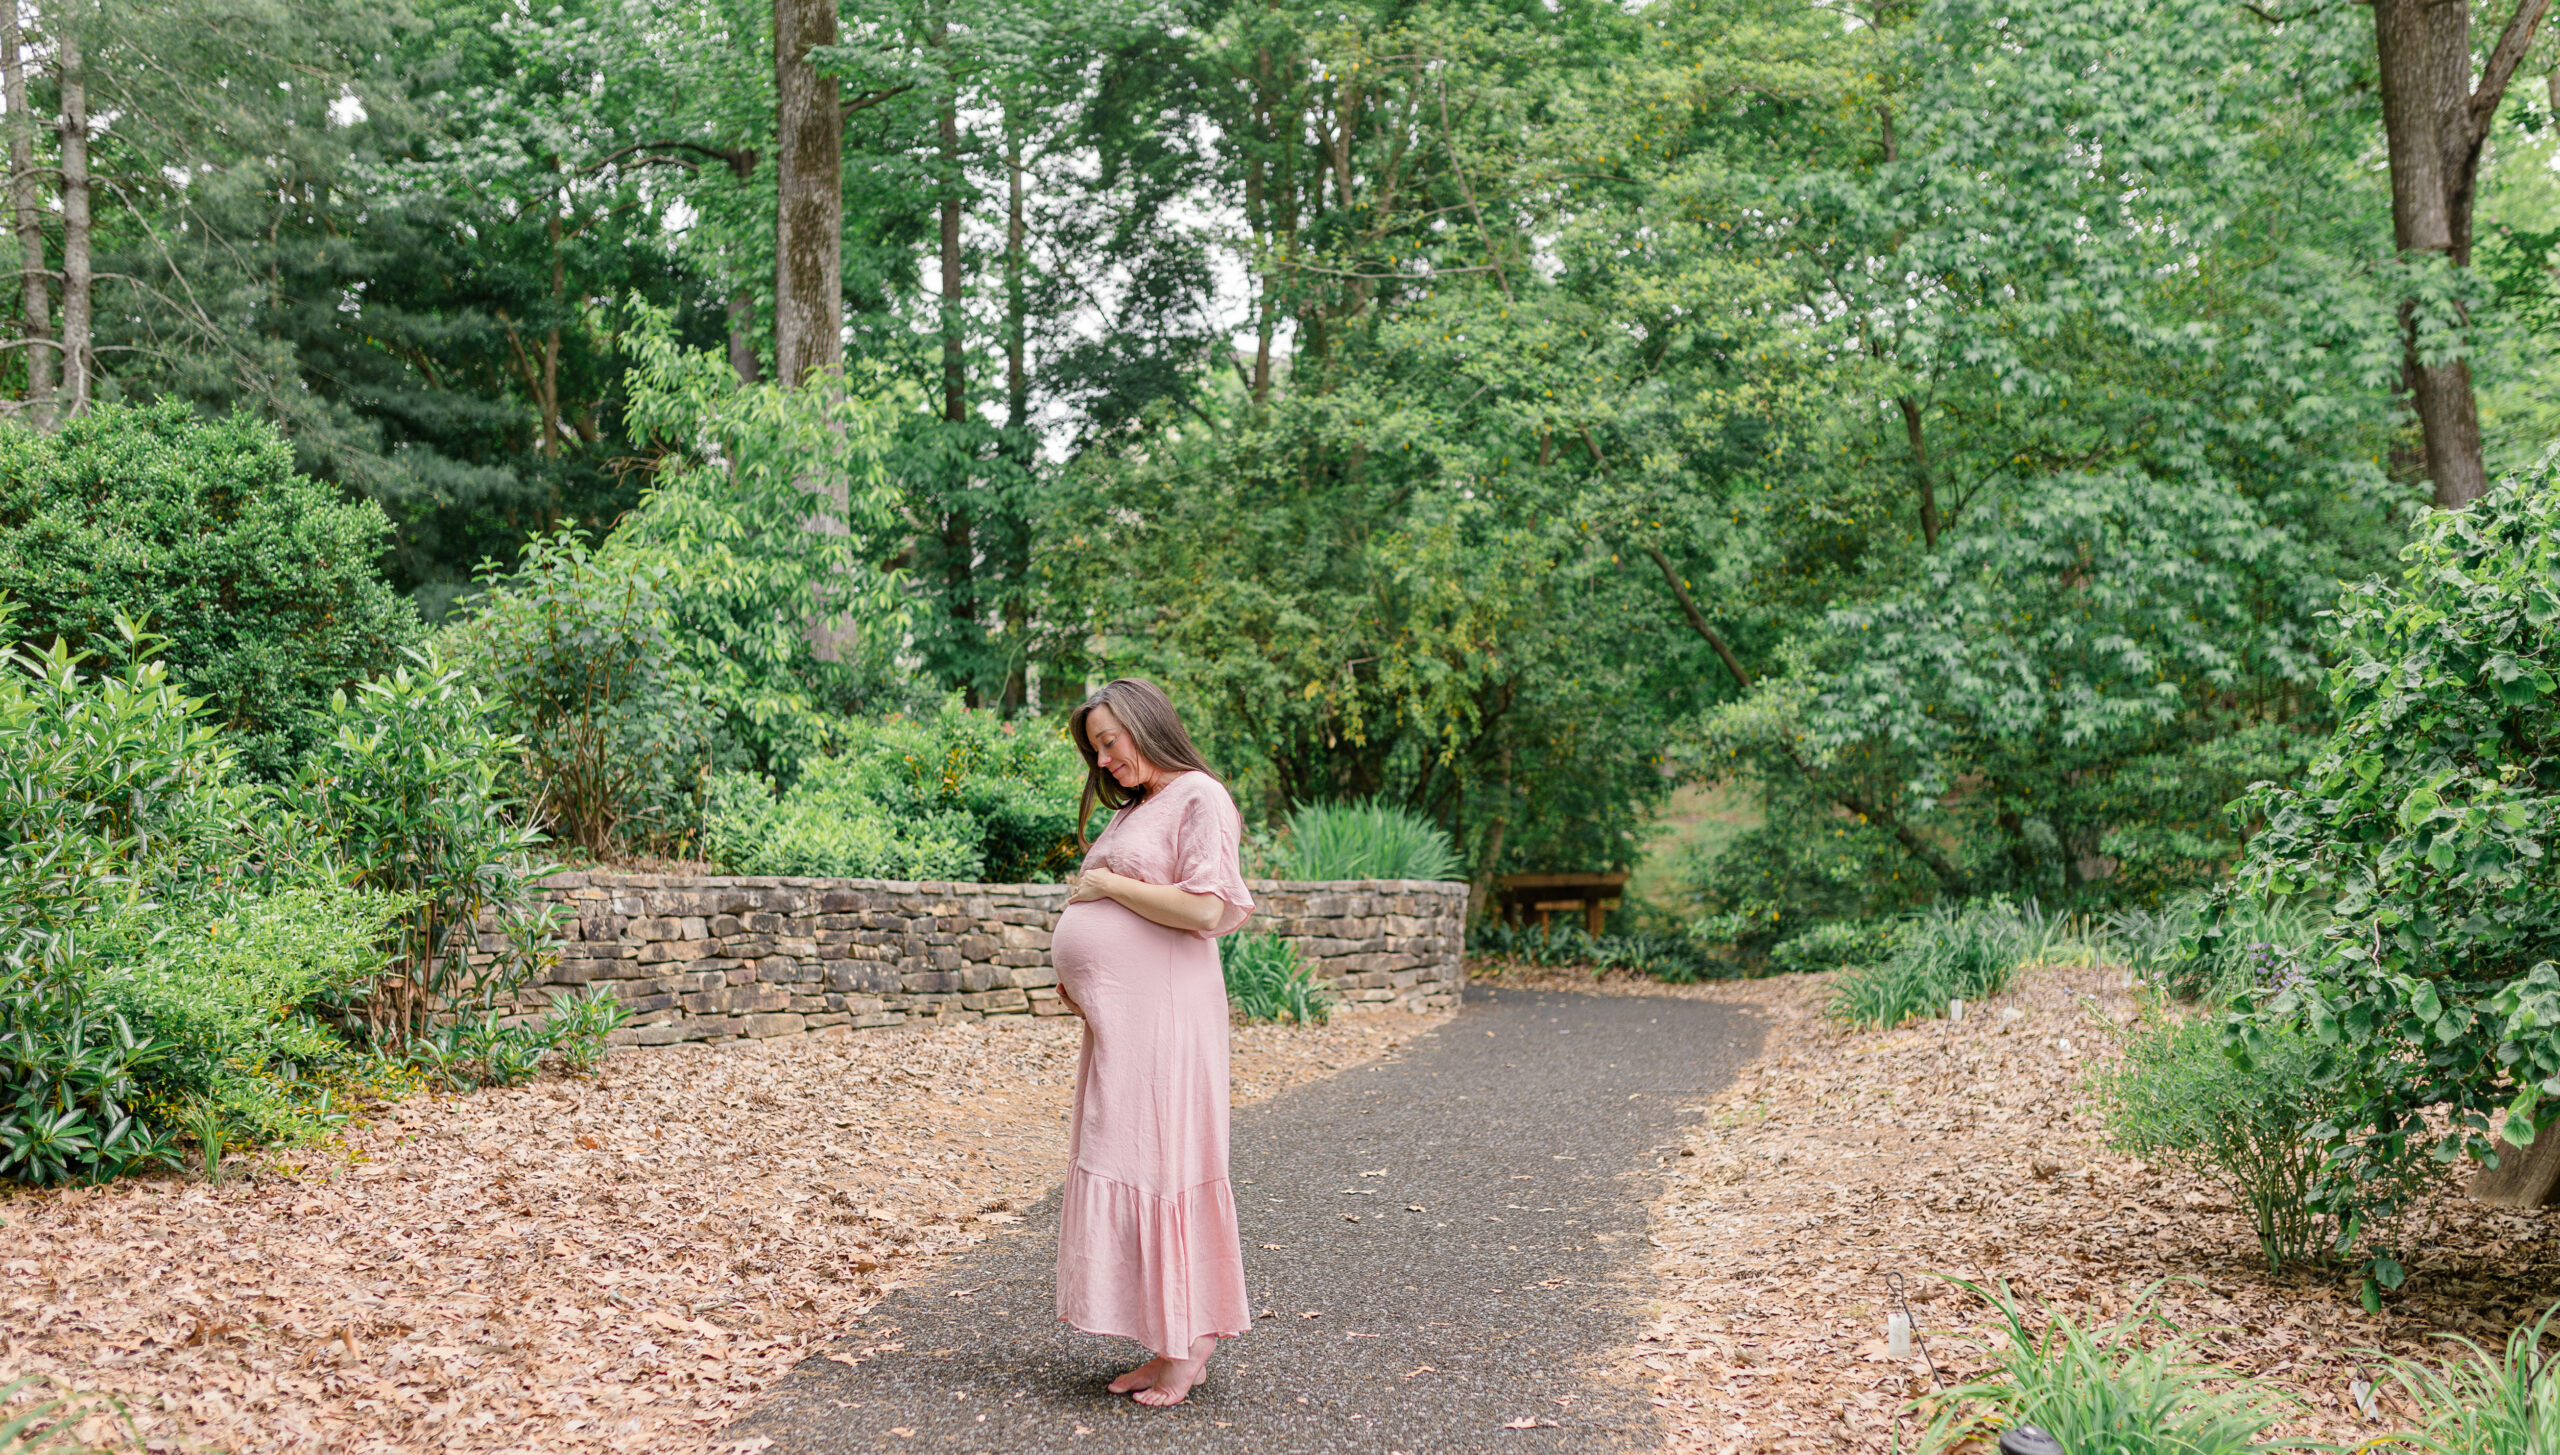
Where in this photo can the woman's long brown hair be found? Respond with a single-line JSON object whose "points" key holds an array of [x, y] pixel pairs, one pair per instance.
{"points": [[1154, 729]]}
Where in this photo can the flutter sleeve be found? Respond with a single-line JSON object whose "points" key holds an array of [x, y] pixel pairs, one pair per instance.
{"points": [[1207, 853]]}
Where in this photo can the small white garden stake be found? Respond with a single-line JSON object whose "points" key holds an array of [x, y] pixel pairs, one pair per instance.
{"points": [[1955, 1012], [1897, 1335]]}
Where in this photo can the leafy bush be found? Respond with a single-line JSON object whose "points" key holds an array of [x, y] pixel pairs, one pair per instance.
{"points": [[1267, 982], [959, 795], [770, 510], [2122, 1388], [2177, 1098], [577, 1026], [264, 581], [616, 731], [2423, 832], [70, 1088], [1370, 839], [161, 925], [1829, 946], [2488, 1404], [409, 789], [1672, 958]]}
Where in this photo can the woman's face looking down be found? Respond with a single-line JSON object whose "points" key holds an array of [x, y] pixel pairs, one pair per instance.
{"points": [[1114, 753]]}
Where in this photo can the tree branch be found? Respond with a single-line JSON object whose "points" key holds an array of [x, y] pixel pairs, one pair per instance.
{"points": [[2501, 68], [1697, 619]]}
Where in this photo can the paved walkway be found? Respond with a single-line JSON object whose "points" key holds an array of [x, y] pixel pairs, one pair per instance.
{"points": [[1438, 1245]]}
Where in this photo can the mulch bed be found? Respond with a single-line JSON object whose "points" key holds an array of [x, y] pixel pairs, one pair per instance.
{"points": [[1973, 1151], [617, 1264]]}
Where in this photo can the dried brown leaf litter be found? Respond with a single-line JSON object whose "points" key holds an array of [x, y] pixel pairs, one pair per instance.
{"points": [[1971, 1150], [616, 1265]]}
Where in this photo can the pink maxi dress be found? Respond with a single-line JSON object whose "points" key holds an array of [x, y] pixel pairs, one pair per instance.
{"points": [[1148, 1247]]}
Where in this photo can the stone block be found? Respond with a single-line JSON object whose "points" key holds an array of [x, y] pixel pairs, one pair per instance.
{"points": [[660, 952], [975, 978], [877, 1018], [1025, 937], [747, 947], [997, 1002], [1035, 975], [929, 982], [763, 1027], [725, 925], [659, 1035]]}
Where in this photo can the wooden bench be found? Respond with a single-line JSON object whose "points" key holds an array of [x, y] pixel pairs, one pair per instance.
{"points": [[1518, 896]]}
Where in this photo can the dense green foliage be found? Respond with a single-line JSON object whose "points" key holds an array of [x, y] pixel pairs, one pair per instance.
{"points": [[952, 795], [1949, 422], [576, 652], [1267, 982], [165, 928], [2420, 833], [1369, 840], [1679, 959], [262, 582]]}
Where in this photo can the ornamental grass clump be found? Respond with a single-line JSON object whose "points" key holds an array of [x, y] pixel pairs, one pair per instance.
{"points": [[2506, 1403], [2131, 1387], [1364, 839], [1943, 954], [1266, 981]]}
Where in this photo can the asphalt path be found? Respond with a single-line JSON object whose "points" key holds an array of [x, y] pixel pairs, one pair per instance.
{"points": [[1441, 1245]]}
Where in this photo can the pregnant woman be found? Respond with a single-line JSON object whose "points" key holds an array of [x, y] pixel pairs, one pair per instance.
{"points": [[1147, 1241]]}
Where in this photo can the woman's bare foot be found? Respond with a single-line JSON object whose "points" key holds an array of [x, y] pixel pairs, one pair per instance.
{"points": [[1163, 1380], [1142, 1377]]}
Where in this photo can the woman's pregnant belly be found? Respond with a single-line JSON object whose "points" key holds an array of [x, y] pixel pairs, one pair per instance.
{"points": [[1102, 948]]}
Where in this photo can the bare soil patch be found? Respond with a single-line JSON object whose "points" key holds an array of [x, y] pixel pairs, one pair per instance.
{"points": [[616, 1264], [1973, 1151]]}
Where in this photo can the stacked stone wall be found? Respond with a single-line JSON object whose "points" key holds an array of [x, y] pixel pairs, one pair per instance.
{"points": [[720, 958]]}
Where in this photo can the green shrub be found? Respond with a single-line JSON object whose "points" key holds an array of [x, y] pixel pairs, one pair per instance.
{"points": [[574, 649], [578, 1026], [2178, 1098], [409, 790], [1267, 982], [959, 795], [161, 926], [2488, 1404], [1829, 946], [1675, 959], [2133, 1387], [2422, 837], [1371, 839], [265, 582]]}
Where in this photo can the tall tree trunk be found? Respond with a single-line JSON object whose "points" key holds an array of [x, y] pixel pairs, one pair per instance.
{"points": [[742, 336], [36, 292], [955, 376], [1920, 470], [78, 348], [808, 251], [2436, 122], [1017, 295]]}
